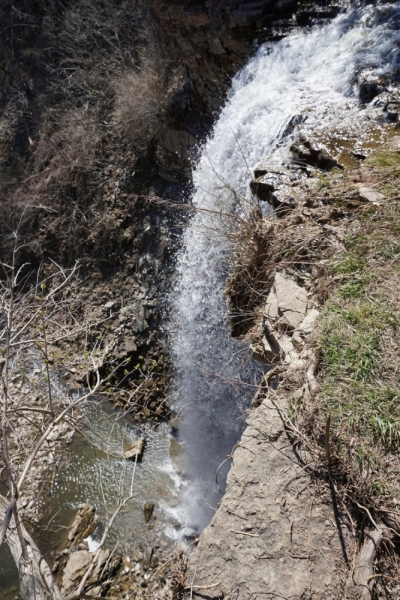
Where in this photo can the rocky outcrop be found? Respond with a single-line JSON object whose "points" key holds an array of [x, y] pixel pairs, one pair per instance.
{"points": [[276, 186], [269, 537], [289, 318]]}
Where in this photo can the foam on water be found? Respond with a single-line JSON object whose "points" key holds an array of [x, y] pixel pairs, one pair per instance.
{"points": [[312, 74]]}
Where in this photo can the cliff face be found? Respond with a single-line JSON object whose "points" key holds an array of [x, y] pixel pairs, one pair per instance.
{"points": [[210, 41]]}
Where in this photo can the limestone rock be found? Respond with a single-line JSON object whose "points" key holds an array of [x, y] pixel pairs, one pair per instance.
{"points": [[271, 306], [307, 326], [77, 565], [297, 341], [75, 568], [135, 450], [291, 299], [286, 323], [369, 195], [268, 525], [84, 524]]}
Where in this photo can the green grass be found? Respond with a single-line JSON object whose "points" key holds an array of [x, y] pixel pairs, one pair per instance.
{"points": [[324, 182], [359, 342], [385, 159]]}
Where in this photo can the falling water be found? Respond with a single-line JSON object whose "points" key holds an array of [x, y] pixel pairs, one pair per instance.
{"points": [[313, 74]]}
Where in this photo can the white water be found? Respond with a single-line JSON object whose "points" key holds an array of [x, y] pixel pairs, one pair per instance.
{"points": [[311, 74]]}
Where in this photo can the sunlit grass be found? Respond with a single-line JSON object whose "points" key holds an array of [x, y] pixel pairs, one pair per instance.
{"points": [[359, 343]]}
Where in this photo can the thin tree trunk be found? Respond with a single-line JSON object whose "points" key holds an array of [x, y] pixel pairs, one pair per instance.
{"points": [[36, 580]]}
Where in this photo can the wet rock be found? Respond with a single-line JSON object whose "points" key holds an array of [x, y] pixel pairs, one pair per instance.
{"points": [[384, 99], [135, 450], [245, 16], [368, 91], [148, 510], [275, 187], [216, 47], [84, 524], [317, 157], [392, 111], [263, 186]]}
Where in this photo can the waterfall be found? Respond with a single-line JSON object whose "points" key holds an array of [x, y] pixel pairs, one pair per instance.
{"points": [[314, 74]]}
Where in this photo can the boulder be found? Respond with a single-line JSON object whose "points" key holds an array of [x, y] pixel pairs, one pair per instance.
{"points": [[75, 569], [135, 450], [77, 565], [84, 524]]}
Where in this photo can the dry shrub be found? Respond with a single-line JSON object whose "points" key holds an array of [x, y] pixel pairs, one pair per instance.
{"points": [[176, 584], [141, 101], [103, 97], [263, 246], [68, 140]]}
